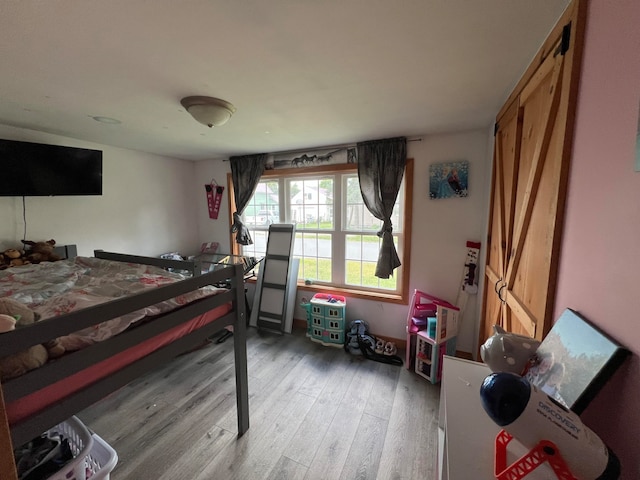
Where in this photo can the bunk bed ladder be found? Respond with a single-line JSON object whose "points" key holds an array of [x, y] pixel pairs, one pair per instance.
{"points": [[274, 287]]}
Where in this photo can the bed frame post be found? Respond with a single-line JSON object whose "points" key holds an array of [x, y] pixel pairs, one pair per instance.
{"points": [[240, 350], [7, 463]]}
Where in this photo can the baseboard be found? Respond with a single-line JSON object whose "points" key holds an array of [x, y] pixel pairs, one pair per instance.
{"points": [[297, 323]]}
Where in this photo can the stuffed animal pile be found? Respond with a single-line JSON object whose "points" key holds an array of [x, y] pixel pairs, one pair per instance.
{"points": [[14, 314], [35, 252], [12, 257]]}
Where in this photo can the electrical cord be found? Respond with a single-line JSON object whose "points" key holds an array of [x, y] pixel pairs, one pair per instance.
{"points": [[24, 217]]}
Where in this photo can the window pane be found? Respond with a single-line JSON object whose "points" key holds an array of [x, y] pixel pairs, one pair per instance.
{"points": [[358, 217], [311, 205], [259, 246], [316, 269], [264, 207], [361, 254], [362, 247], [369, 278], [353, 273], [398, 211], [390, 283], [314, 251]]}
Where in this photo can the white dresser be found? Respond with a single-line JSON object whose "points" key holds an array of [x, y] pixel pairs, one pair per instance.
{"points": [[466, 434]]}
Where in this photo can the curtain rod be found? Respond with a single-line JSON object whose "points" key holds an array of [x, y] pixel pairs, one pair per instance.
{"points": [[326, 147]]}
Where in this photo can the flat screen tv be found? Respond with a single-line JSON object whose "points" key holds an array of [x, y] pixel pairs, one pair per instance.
{"points": [[36, 169]]}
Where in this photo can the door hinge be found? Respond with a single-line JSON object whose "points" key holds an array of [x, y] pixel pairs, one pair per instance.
{"points": [[496, 127], [565, 40]]}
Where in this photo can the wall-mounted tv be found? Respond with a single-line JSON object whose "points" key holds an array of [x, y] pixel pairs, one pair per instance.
{"points": [[36, 169]]}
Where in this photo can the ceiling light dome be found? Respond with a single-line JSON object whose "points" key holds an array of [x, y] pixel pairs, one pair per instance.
{"points": [[209, 111]]}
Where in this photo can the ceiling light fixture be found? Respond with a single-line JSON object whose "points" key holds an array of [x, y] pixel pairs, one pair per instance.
{"points": [[209, 111]]}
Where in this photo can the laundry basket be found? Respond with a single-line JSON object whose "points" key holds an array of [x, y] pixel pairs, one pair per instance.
{"points": [[81, 442], [102, 459], [93, 457]]}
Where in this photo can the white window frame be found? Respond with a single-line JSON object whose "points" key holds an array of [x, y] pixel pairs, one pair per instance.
{"points": [[400, 295]]}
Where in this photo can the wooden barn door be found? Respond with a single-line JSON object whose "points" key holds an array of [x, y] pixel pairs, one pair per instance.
{"points": [[531, 161]]}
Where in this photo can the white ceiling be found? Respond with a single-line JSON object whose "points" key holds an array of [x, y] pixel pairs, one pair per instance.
{"points": [[301, 73]]}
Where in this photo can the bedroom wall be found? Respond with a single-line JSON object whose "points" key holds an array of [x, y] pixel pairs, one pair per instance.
{"points": [[600, 257], [146, 206], [440, 231]]}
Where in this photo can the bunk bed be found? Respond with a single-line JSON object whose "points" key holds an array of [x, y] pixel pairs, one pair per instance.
{"points": [[42, 398]]}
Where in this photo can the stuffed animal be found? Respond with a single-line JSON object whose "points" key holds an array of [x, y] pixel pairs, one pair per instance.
{"points": [[508, 352], [12, 257], [14, 314], [13, 253], [7, 323], [41, 251]]}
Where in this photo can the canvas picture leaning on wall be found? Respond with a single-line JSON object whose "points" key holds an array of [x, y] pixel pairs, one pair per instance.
{"points": [[574, 361]]}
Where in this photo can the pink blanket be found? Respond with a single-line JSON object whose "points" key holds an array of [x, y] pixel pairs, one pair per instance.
{"points": [[53, 289]]}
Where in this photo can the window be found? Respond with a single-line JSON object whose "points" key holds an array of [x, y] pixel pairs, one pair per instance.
{"points": [[336, 235]]}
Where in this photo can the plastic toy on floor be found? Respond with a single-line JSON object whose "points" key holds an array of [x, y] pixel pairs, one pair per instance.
{"points": [[357, 336], [390, 349], [552, 432], [359, 341]]}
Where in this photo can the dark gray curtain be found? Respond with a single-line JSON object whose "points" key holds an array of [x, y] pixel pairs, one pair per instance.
{"points": [[380, 170], [246, 171]]}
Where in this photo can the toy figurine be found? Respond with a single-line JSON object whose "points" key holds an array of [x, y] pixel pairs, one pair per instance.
{"points": [[531, 417], [508, 352]]}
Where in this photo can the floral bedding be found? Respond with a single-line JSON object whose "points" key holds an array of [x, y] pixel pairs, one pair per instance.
{"points": [[55, 288]]}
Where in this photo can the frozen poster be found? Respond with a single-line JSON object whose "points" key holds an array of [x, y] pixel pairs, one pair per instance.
{"points": [[449, 179]]}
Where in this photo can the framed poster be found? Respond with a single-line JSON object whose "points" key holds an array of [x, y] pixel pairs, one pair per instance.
{"points": [[313, 158], [449, 179]]}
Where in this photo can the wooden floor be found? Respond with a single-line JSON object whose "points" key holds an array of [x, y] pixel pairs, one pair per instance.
{"points": [[315, 413]]}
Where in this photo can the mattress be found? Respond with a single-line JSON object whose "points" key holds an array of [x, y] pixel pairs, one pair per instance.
{"points": [[54, 288]]}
